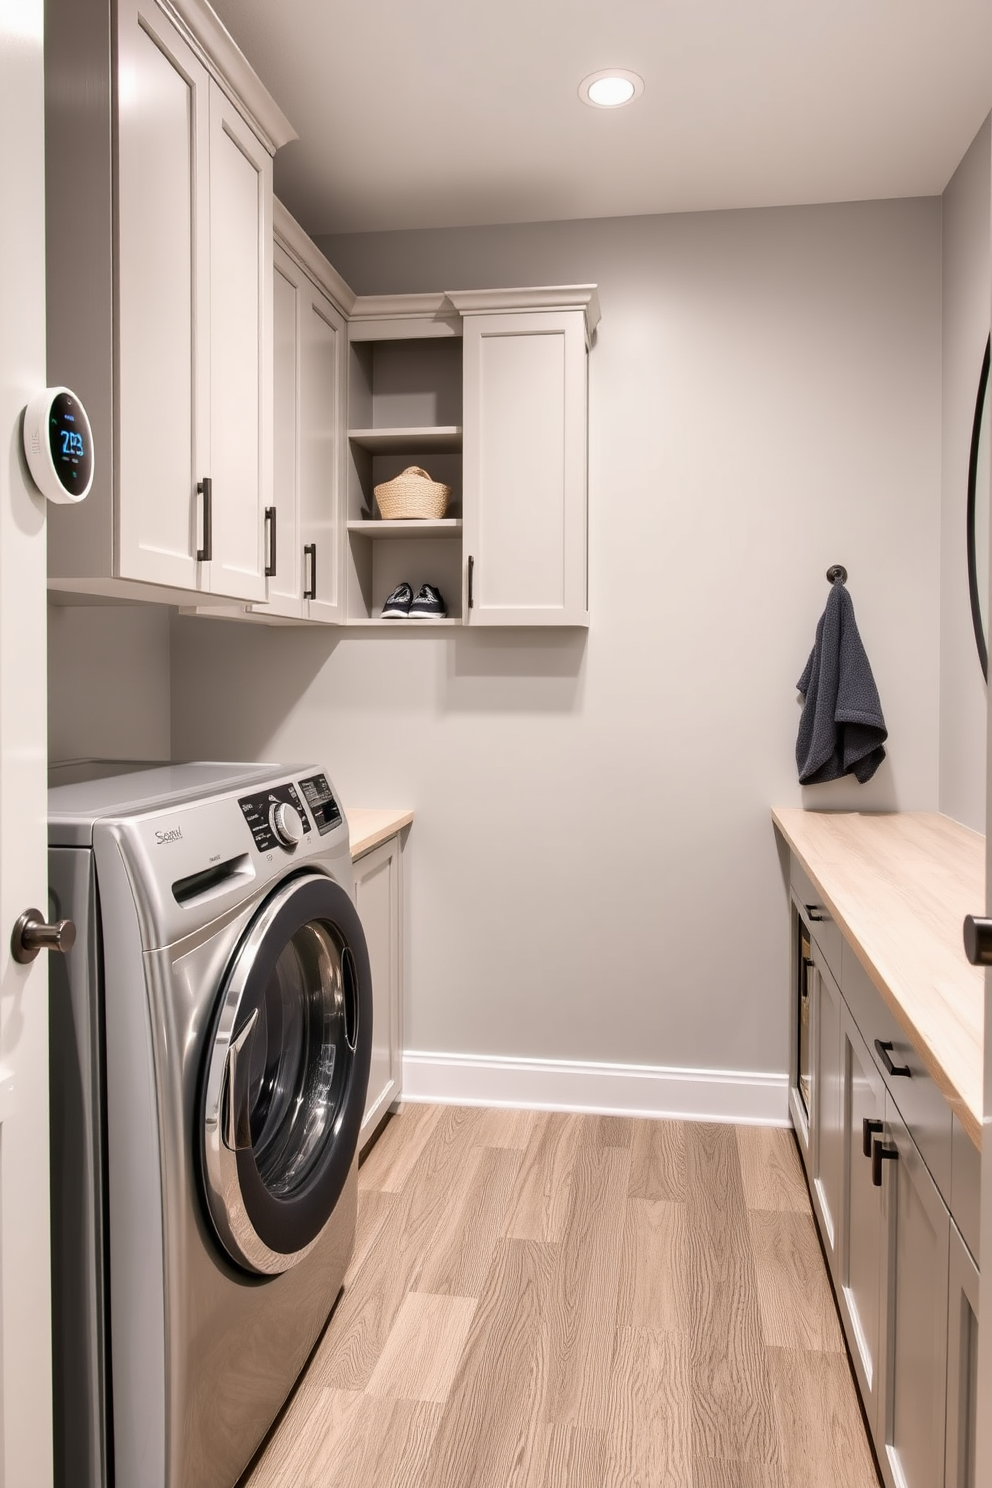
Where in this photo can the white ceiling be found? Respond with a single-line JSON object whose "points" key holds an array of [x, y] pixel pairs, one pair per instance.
{"points": [[441, 113]]}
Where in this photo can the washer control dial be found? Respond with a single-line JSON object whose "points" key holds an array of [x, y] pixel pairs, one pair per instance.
{"points": [[287, 828]]}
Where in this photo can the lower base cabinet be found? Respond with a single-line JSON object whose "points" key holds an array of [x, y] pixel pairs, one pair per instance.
{"points": [[378, 897], [907, 1287]]}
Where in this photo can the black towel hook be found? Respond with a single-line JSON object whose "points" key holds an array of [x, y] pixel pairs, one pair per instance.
{"points": [[837, 574]]}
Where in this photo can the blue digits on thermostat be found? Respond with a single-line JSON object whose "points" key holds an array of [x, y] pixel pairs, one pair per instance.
{"points": [[72, 442]]}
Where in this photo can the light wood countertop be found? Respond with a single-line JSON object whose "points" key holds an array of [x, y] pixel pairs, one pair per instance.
{"points": [[370, 825], [899, 886]]}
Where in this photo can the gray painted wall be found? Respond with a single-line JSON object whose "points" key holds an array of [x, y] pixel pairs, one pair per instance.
{"points": [[592, 871], [967, 312], [108, 682]]}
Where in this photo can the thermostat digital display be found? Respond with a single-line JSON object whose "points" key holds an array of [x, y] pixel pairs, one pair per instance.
{"points": [[58, 444]]}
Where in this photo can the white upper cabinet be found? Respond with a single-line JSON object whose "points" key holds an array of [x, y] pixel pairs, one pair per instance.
{"points": [[524, 467], [175, 254], [304, 526]]}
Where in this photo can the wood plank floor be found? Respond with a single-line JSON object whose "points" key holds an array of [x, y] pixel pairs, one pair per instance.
{"points": [[540, 1300]]}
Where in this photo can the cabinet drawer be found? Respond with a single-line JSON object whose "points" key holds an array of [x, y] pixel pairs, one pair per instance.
{"points": [[920, 1102], [824, 928]]}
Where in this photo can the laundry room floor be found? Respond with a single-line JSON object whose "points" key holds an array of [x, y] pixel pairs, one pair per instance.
{"points": [[562, 1301]]}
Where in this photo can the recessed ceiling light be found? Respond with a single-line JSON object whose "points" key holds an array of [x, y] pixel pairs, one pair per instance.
{"points": [[610, 88]]}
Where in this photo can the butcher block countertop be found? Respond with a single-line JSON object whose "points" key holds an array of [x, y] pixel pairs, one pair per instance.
{"points": [[899, 886], [370, 825]]}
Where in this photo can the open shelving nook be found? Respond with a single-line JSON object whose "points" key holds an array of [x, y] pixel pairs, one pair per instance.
{"points": [[404, 408]]}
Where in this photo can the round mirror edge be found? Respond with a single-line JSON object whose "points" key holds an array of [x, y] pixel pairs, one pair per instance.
{"points": [[976, 430]]}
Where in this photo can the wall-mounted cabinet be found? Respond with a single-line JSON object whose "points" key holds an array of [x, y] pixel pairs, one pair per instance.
{"points": [[159, 200], [487, 391]]}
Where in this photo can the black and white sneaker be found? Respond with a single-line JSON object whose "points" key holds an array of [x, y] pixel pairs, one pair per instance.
{"points": [[397, 606], [429, 604]]}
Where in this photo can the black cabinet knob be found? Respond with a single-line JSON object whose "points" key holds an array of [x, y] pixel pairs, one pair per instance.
{"points": [[978, 940]]}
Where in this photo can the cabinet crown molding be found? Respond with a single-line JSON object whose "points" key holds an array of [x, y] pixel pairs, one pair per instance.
{"points": [[292, 238], [541, 297], [232, 69]]}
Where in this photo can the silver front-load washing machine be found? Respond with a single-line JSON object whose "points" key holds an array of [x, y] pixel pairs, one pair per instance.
{"points": [[211, 1031]]}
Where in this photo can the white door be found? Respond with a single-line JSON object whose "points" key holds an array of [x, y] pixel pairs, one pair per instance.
{"points": [[25, 1308]]}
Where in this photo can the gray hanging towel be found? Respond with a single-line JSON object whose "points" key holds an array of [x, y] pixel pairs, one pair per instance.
{"points": [[841, 731]]}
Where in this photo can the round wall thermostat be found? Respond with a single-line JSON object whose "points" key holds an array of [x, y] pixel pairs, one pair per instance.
{"points": [[58, 445]]}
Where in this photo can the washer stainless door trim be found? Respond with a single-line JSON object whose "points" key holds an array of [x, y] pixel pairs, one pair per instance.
{"points": [[286, 1075]]}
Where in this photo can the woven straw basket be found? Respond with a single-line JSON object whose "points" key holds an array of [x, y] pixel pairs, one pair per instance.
{"points": [[412, 493]]}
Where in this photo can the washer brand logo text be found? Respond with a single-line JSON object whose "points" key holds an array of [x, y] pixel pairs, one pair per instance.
{"points": [[173, 835]]}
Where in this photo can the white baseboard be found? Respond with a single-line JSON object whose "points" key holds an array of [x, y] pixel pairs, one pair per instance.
{"points": [[737, 1096]]}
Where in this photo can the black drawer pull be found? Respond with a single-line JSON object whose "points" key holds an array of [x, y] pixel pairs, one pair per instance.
{"points": [[882, 1047], [205, 488], [868, 1129], [881, 1153], [270, 522], [816, 915]]}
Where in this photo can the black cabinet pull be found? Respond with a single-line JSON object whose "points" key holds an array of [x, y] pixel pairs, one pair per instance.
{"points": [[270, 522], [880, 1153], [310, 590], [814, 914], [882, 1047], [205, 488], [868, 1129], [471, 576]]}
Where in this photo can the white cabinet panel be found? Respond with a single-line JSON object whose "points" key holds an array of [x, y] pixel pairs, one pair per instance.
{"points": [[828, 1107], [962, 1366], [525, 468], [284, 586], [377, 896], [323, 345], [161, 326], [863, 1226], [240, 349], [915, 1301], [308, 400]]}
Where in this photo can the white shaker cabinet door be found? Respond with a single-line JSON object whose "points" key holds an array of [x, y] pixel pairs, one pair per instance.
{"points": [[323, 348], [524, 457], [240, 352], [284, 552], [304, 532], [162, 328]]}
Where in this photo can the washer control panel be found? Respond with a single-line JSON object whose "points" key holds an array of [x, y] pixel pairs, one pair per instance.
{"points": [[277, 817], [324, 809]]}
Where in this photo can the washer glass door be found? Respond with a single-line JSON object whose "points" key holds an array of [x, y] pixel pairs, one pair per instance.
{"points": [[286, 1077]]}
